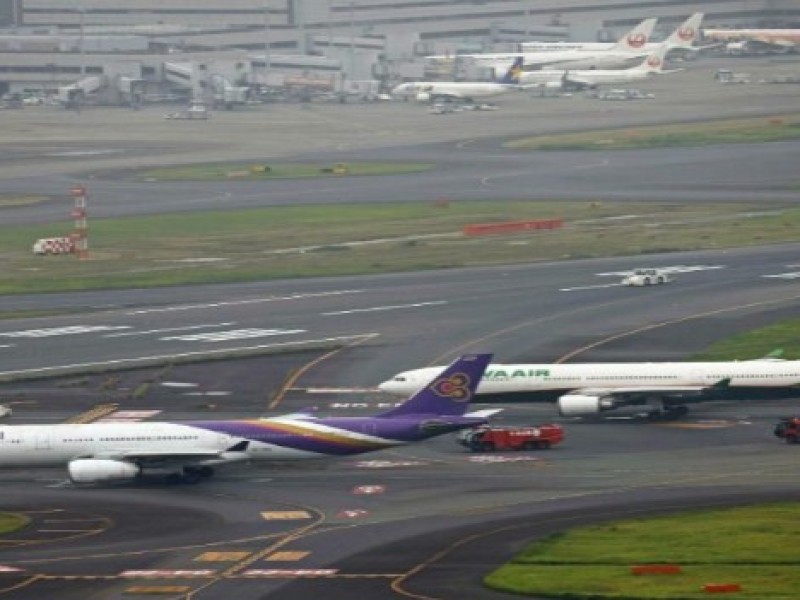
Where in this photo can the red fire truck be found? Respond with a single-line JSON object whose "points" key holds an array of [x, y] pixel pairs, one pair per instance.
{"points": [[788, 429], [488, 438]]}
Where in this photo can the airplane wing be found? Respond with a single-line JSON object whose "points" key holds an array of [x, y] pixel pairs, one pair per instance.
{"points": [[638, 392], [768, 44], [234, 453], [576, 82]]}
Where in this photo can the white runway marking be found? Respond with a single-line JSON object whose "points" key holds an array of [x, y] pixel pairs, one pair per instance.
{"points": [[54, 331], [168, 329], [794, 275], [244, 302], [234, 334], [590, 287], [6, 345], [383, 308], [669, 269], [197, 354]]}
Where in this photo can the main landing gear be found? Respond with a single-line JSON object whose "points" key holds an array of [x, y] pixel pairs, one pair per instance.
{"points": [[190, 475]]}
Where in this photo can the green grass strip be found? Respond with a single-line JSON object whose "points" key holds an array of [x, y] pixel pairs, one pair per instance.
{"points": [[753, 546], [784, 335], [267, 170], [674, 135], [11, 522]]}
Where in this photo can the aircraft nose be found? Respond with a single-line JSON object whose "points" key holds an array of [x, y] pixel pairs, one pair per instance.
{"points": [[386, 386], [392, 386], [398, 89]]}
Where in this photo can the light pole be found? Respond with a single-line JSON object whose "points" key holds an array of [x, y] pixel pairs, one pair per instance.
{"points": [[267, 45]]}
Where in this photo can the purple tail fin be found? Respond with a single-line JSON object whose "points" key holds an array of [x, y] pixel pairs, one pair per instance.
{"points": [[450, 392]]}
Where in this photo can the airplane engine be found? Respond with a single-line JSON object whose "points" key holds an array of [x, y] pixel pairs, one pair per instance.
{"points": [[581, 405], [90, 470], [423, 96]]}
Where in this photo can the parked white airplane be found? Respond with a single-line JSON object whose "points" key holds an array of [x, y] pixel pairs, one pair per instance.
{"points": [[657, 389], [190, 451], [629, 47], [681, 39], [592, 78], [461, 90], [745, 40]]}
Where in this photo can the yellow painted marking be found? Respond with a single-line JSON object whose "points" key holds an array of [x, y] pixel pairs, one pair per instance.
{"points": [[158, 589], [222, 556], [285, 515], [98, 412], [287, 556], [293, 377]]}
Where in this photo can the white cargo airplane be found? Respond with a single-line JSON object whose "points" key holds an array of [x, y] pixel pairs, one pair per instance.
{"points": [[660, 390], [592, 78], [461, 90], [629, 47], [681, 39]]}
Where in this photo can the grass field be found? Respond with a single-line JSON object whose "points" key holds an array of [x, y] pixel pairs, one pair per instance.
{"points": [[752, 546], [784, 335], [328, 240], [724, 131], [10, 522]]}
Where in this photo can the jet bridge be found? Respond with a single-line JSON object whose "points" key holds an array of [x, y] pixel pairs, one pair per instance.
{"points": [[75, 94]]}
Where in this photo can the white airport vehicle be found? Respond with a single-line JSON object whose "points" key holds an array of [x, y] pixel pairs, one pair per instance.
{"points": [[196, 111], [57, 245], [644, 277], [728, 77], [655, 389]]}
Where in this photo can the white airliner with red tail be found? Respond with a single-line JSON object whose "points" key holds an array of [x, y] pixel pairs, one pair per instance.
{"points": [[592, 78]]}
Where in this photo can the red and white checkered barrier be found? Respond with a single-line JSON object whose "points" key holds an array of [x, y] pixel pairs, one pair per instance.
{"points": [[54, 246]]}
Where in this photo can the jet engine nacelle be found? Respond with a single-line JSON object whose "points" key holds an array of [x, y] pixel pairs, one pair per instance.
{"points": [[423, 96], [91, 470], [581, 405]]}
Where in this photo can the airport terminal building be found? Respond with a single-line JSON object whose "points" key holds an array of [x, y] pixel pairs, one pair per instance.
{"points": [[129, 47]]}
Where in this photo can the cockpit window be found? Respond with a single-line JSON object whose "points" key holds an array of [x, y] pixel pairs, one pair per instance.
{"points": [[400, 378]]}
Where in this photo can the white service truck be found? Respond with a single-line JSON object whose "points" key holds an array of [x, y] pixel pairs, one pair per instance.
{"points": [[641, 277]]}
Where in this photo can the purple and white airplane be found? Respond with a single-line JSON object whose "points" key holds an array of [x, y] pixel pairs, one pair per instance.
{"points": [[104, 452]]}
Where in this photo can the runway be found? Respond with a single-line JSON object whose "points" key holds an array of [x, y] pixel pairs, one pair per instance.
{"points": [[466, 148], [426, 521]]}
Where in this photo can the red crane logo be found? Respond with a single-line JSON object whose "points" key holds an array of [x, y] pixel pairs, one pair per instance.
{"points": [[637, 40]]}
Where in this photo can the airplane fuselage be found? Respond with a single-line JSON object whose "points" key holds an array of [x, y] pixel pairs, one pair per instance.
{"points": [[521, 379], [267, 439], [452, 89]]}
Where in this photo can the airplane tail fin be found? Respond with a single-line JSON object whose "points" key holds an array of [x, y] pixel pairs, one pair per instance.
{"points": [[685, 34], [450, 392], [514, 71], [654, 63], [634, 41]]}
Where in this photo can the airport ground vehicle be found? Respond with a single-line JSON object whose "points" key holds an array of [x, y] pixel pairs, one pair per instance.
{"points": [[59, 245], [641, 277], [488, 438], [788, 429]]}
